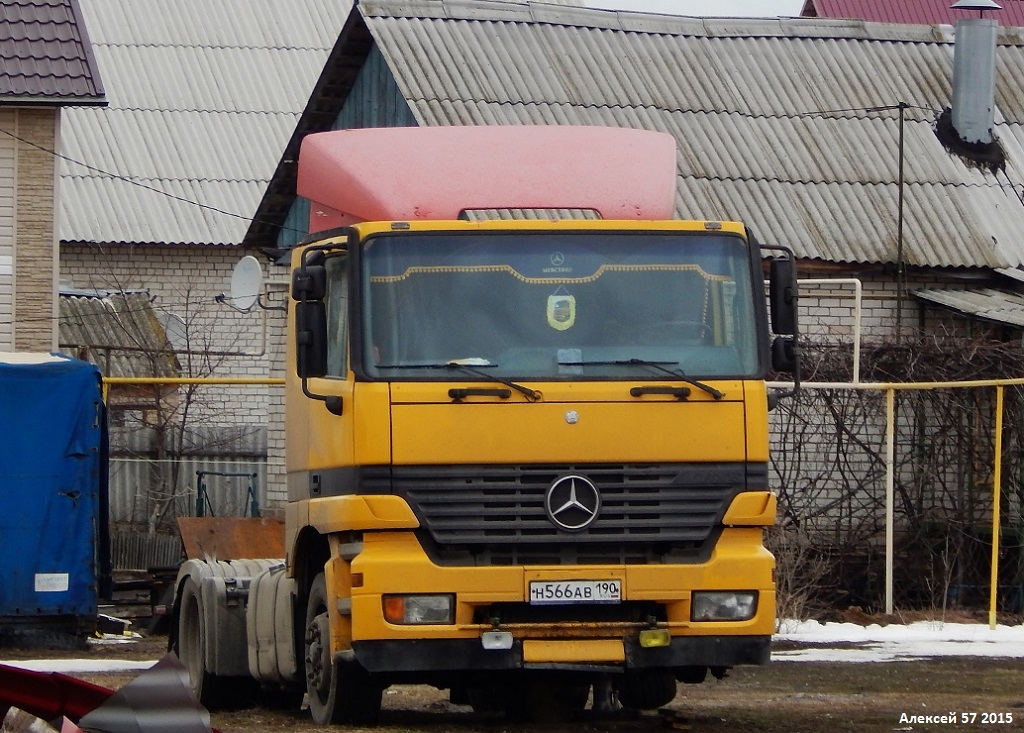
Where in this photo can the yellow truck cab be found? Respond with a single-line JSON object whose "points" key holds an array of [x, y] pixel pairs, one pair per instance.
{"points": [[525, 457]]}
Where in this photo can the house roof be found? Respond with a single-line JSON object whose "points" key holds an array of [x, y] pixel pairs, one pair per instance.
{"points": [[985, 304], [924, 12], [47, 58], [803, 145], [204, 95], [119, 332]]}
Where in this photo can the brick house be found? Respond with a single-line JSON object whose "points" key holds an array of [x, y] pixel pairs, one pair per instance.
{"points": [[47, 66], [159, 189]]}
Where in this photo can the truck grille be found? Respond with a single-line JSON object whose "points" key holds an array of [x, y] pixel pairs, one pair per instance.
{"points": [[495, 515]]}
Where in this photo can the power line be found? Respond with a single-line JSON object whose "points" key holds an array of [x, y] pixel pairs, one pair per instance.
{"points": [[882, 108], [145, 186], [81, 316], [134, 182]]}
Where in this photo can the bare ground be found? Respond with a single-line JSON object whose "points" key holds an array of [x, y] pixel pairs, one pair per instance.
{"points": [[783, 697]]}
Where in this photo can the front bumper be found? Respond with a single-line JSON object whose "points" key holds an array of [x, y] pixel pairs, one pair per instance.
{"points": [[466, 655]]}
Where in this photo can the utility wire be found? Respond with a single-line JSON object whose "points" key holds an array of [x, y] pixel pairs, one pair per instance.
{"points": [[82, 316], [135, 182], [145, 186]]}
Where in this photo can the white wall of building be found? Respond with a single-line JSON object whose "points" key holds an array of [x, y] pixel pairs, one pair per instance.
{"points": [[184, 281]]}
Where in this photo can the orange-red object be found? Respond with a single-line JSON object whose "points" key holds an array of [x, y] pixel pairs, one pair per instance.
{"points": [[48, 695]]}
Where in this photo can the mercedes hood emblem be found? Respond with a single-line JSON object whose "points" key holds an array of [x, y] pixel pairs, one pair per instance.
{"points": [[572, 502]]}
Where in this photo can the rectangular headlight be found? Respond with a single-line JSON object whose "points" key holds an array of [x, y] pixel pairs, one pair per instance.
{"points": [[721, 605], [419, 609]]}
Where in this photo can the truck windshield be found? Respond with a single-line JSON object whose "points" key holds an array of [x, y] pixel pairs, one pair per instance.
{"points": [[558, 305]]}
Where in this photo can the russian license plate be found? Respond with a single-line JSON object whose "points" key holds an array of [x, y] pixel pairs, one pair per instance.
{"points": [[575, 591]]}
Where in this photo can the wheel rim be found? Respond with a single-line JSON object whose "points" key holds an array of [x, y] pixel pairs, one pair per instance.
{"points": [[318, 663]]}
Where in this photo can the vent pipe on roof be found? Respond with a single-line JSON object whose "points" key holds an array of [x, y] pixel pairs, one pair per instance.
{"points": [[974, 74], [966, 130]]}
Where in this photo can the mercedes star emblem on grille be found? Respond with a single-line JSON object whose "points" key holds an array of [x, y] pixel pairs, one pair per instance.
{"points": [[572, 502]]}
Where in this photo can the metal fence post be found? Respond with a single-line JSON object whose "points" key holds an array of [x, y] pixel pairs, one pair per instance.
{"points": [[997, 476]]}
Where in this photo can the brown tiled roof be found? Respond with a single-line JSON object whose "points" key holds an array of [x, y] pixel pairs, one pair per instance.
{"points": [[45, 55]]}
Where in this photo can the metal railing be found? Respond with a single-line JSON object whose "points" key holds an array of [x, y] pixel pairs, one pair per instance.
{"points": [[889, 389]]}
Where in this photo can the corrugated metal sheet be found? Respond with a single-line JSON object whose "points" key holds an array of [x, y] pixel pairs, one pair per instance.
{"points": [[119, 332], [928, 12], [204, 96], [46, 54], [776, 120], [134, 551], [985, 304], [137, 493]]}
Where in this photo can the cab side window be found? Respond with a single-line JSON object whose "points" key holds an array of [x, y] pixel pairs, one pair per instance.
{"points": [[337, 316]]}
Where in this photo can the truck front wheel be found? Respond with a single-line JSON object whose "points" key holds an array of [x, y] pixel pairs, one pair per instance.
{"points": [[338, 691]]}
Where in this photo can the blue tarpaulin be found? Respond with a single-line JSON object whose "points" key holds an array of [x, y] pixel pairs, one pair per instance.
{"points": [[53, 502]]}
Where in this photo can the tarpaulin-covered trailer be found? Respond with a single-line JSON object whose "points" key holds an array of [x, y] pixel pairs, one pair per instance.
{"points": [[53, 499]]}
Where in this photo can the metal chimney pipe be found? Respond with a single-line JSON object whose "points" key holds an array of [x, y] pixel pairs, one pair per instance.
{"points": [[974, 76]]}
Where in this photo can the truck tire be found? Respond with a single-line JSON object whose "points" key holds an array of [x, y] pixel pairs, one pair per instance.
{"points": [[338, 691], [647, 690], [208, 688]]}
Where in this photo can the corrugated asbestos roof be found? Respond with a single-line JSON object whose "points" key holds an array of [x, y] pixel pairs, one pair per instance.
{"points": [[204, 95], [923, 12], [45, 54], [773, 118], [118, 332], [984, 304]]}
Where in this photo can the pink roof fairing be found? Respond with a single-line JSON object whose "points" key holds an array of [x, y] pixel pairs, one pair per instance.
{"points": [[411, 173]]}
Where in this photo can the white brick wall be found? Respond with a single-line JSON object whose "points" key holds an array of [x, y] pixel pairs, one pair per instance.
{"points": [[183, 281], [827, 311], [829, 448]]}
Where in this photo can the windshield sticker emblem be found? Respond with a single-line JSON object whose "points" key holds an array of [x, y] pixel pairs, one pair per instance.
{"points": [[561, 310], [573, 503], [557, 260]]}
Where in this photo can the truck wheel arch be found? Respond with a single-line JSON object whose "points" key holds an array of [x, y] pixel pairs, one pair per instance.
{"points": [[310, 554]]}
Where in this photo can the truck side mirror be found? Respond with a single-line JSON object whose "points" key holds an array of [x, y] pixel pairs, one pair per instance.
{"points": [[782, 299], [311, 339], [309, 282], [782, 296], [784, 354], [309, 289]]}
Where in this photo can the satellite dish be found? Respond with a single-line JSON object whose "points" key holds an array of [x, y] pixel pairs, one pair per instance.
{"points": [[246, 283], [174, 329]]}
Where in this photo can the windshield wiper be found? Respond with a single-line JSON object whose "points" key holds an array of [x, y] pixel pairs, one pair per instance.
{"points": [[471, 366], [657, 365]]}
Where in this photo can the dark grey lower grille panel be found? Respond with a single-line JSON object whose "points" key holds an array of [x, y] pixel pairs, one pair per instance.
{"points": [[495, 515]]}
